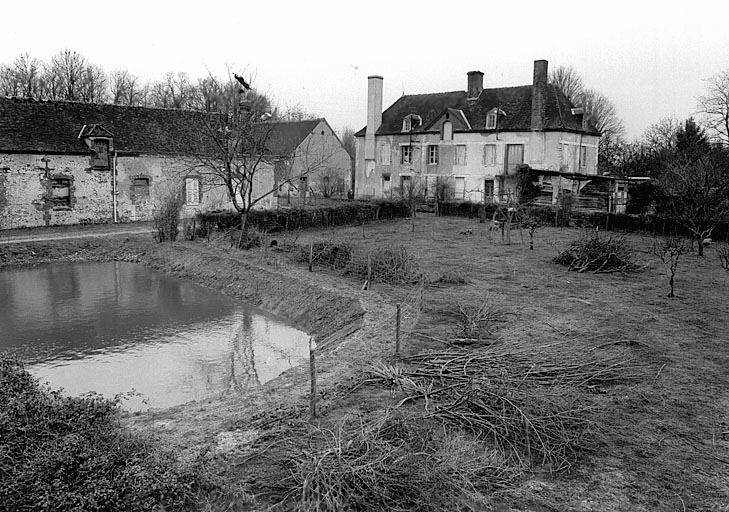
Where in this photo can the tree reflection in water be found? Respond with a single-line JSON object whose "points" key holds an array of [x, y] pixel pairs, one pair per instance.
{"points": [[243, 374]]}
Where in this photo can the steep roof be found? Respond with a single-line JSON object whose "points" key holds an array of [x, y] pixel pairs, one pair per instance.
{"points": [[286, 136], [28, 125], [33, 126], [516, 102]]}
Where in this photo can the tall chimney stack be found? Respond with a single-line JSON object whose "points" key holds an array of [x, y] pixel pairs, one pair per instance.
{"points": [[475, 84], [374, 114], [538, 94]]}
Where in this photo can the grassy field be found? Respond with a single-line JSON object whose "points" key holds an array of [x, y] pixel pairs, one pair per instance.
{"points": [[604, 394]]}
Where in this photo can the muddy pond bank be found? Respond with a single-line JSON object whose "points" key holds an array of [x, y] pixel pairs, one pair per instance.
{"points": [[334, 314]]}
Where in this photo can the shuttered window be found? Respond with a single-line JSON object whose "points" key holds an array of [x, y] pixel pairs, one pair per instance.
{"points": [[514, 157], [192, 190], [489, 154], [460, 154]]}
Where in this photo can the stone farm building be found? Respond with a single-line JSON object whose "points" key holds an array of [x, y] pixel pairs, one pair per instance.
{"points": [[475, 139], [71, 163]]}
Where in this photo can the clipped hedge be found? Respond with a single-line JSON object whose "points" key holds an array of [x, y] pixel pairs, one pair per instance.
{"points": [[289, 219], [603, 220]]}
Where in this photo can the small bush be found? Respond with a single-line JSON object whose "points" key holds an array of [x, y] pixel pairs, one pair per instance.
{"points": [[598, 254], [167, 217], [70, 453], [389, 265]]}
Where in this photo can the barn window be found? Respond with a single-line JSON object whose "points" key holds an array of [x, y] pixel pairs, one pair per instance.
{"points": [[61, 192], [583, 156], [140, 188]]}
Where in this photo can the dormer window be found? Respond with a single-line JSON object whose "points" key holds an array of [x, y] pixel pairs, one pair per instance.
{"points": [[491, 121], [492, 118], [101, 153], [410, 122]]}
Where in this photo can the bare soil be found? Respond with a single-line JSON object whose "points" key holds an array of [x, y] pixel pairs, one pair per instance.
{"points": [[659, 444]]}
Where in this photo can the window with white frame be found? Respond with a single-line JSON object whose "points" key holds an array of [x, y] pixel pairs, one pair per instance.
{"points": [[432, 155], [406, 154], [407, 124], [491, 121], [192, 190], [460, 154], [489, 154], [385, 154]]}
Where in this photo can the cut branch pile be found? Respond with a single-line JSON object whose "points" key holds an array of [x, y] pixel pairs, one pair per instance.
{"points": [[392, 462], [525, 402], [599, 255]]}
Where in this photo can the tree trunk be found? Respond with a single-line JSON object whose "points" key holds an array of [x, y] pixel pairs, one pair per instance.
{"points": [[700, 240]]}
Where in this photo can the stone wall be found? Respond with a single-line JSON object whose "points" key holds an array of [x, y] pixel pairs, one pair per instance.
{"points": [[33, 189]]}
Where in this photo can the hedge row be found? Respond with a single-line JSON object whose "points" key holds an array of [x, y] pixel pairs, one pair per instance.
{"points": [[288, 219], [604, 220]]}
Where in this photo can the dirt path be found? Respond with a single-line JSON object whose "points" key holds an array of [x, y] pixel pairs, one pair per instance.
{"points": [[21, 236]]}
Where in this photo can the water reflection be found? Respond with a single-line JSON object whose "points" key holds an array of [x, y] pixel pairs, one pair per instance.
{"points": [[114, 327]]}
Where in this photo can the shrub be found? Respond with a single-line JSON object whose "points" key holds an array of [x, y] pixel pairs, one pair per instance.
{"points": [[167, 217], [599, 255], [70, 453]]}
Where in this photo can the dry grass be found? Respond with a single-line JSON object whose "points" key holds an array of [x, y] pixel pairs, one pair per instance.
{"points": [[392, 461]]}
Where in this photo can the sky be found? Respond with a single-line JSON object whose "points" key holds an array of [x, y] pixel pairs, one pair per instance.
{"points": [[650, 58]]}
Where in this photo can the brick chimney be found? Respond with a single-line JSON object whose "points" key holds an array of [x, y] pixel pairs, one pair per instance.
{"points": [[475, 84], [539, 91], [374, 114]]}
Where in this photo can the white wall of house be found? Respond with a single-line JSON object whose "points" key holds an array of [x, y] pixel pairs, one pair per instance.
{"points": [[469, 160], [320, 156]]}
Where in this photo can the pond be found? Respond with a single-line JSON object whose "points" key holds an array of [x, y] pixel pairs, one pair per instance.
{"points": [[118, 327]]}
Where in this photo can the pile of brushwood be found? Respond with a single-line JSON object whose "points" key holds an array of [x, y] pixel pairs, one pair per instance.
{"points": [[70, 453], [591, 252], [464, 424], [393, 265]]}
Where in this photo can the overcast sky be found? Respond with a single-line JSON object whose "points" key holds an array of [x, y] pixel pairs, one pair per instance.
{"points": [[650, 58]]}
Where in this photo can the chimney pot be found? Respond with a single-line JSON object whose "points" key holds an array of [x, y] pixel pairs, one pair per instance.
{"points": [[475, 84]]}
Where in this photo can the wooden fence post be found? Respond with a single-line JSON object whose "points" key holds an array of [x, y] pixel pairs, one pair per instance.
{"points": [[422, 293], [312, 375], [311, 254], [397, 330], [369, 268]]}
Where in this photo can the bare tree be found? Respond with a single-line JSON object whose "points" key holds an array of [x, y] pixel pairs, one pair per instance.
{"points": [[696, 193], [669, 251], [349, 142], [236, 147], [568, 81], [65, 75], [126, 89], [599, 109], [715, 107], [22, 78], [661, 136]]}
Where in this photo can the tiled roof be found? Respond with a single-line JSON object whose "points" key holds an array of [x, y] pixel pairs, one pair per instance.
{"points": [[516, 102], [286, 136], [54, 126]]}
